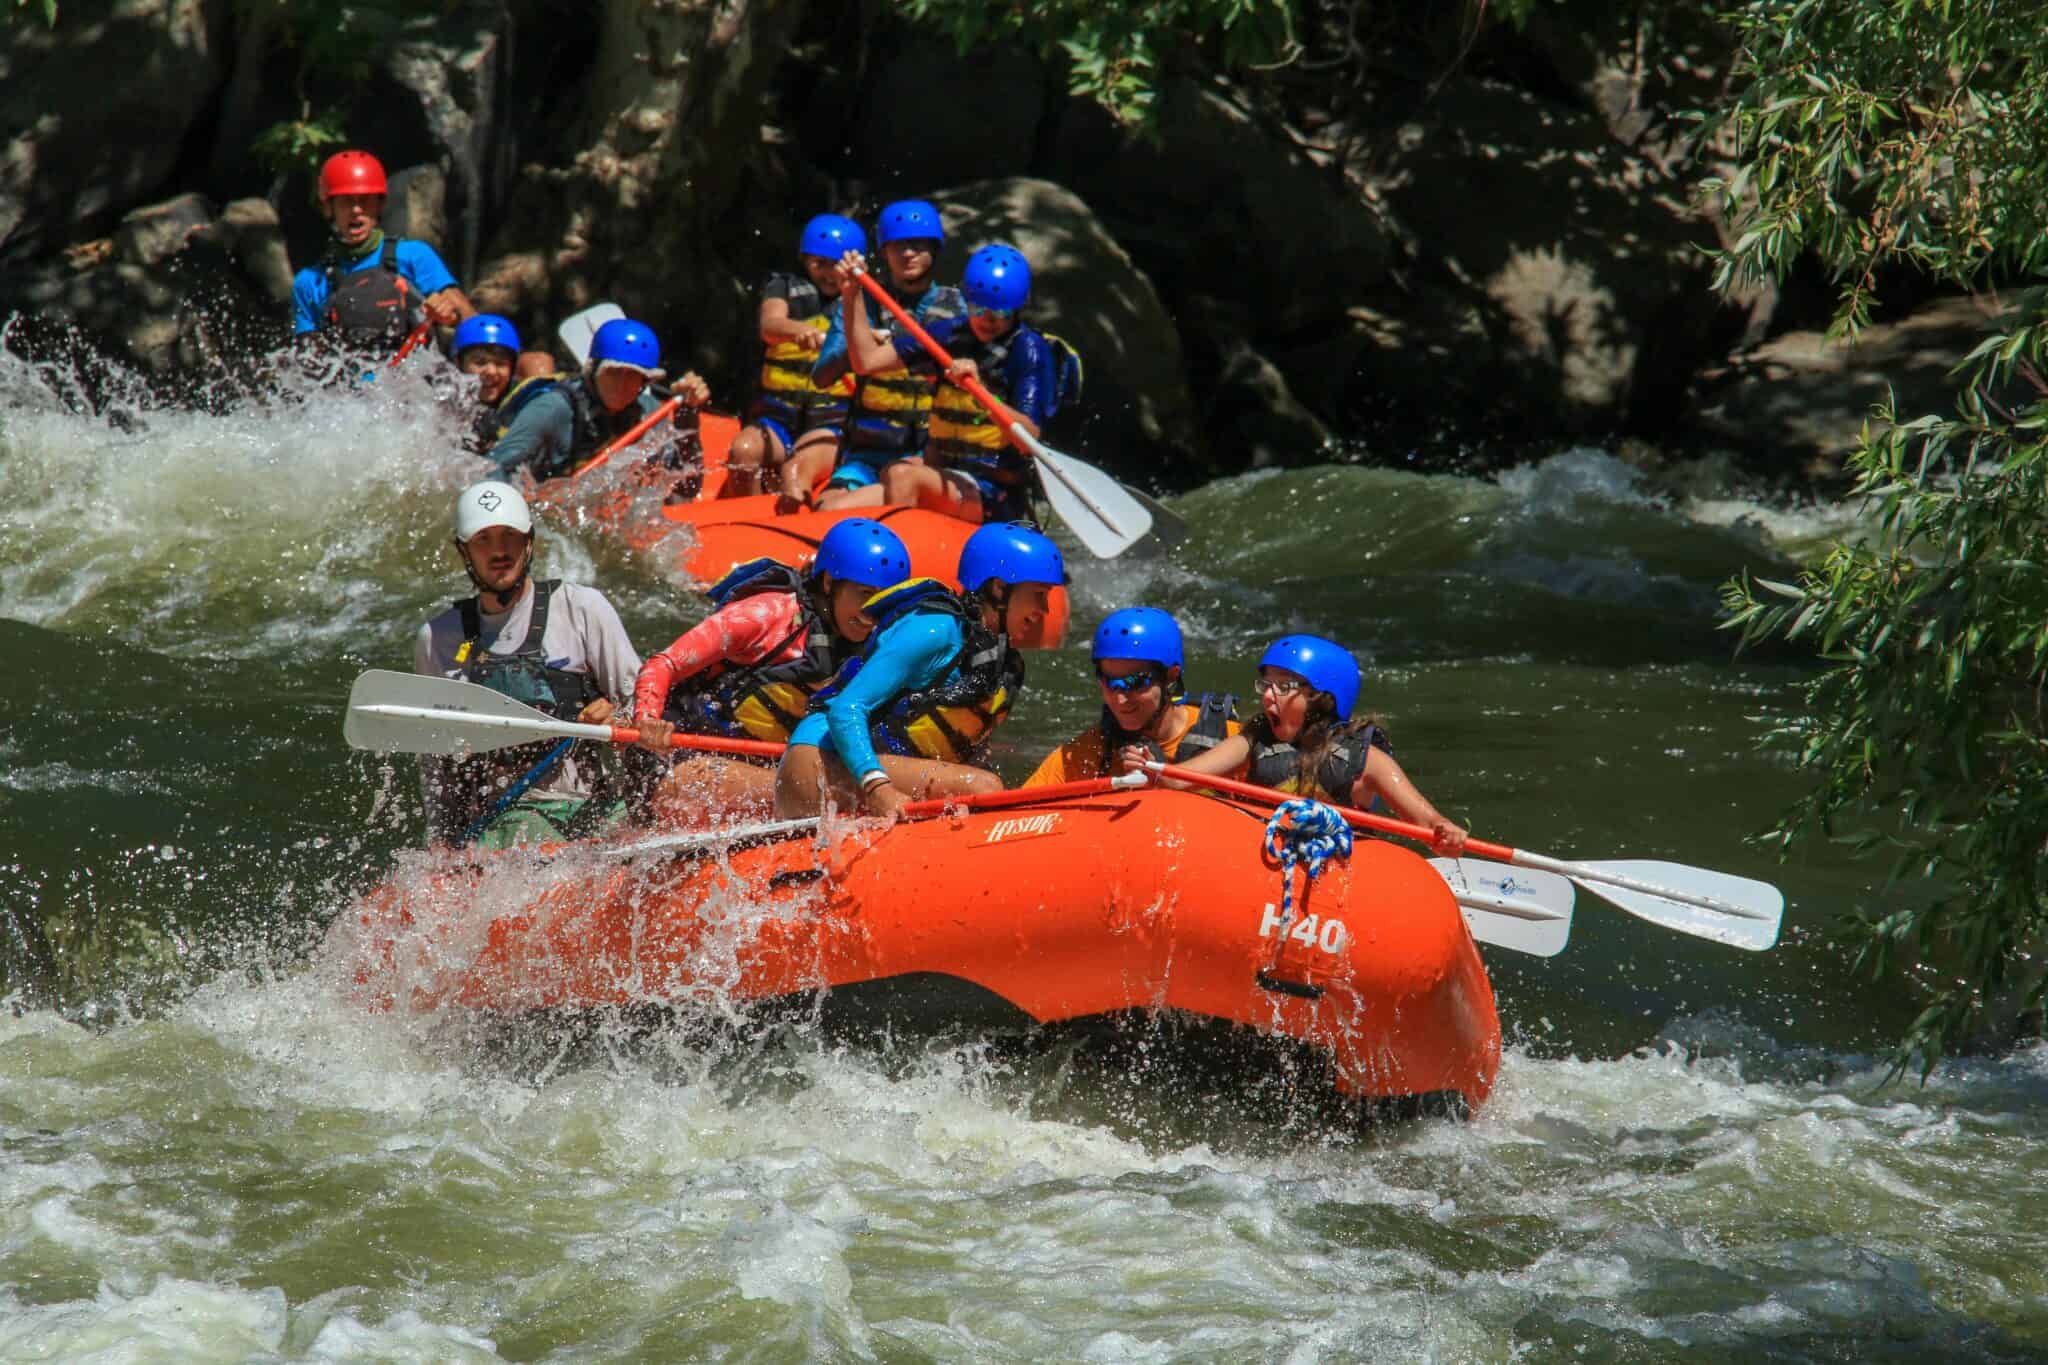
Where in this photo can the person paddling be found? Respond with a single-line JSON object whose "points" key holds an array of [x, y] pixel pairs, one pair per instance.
{"points": [[938, 675], [887, 420], [572, 420], [748, 670], [1304, 740], [792, 436], [1138, 658], [369, 291], [556, 646], [970, 469]]}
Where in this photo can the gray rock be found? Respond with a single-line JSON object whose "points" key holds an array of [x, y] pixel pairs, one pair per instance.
{"points": [[154, 233], [1136, 412], [1229, 204], [417, 206], [97, 108], [1560, 274], [1802, 395], [250, 230]]}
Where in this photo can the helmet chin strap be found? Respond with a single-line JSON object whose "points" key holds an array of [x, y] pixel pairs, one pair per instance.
{"points": [[484, 589]]}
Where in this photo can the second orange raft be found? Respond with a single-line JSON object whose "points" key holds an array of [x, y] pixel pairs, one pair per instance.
{"points": [[1068, 909]]}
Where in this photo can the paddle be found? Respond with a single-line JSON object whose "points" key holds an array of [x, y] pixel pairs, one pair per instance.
{"points": [[631, 434], [1690, 900], [1094, 506], [391, 712], [1529, 912], [577, 329], [407, 713], [418, 334]]}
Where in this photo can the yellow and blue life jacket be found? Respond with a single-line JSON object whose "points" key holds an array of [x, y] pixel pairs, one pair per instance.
{"points": [[952, 719], [889, 409], [787, 393]]}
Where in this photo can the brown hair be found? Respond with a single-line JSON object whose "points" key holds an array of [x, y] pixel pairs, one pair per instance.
{"points": [[1321, 732]]}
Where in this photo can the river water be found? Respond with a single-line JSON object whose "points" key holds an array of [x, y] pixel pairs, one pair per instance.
{"points": [[207, 1152]]}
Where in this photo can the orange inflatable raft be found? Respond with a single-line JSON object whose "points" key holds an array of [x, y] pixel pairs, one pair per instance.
{"points": [[1068, 909], [729, 531]]}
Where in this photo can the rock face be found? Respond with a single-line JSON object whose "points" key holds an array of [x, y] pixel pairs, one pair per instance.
{"points": [[1807, 397], [1086, 289], [1562, 278], [97, 108], [178, 286]]}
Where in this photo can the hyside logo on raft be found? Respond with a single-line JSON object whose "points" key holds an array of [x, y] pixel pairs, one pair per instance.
{"points": [[1023, 827], [1310, 931]]}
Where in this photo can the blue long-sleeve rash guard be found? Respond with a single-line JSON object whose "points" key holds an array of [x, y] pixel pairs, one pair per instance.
{"points": [[912, 654]]}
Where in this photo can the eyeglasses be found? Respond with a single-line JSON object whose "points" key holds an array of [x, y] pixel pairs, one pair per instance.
{"points": [[1130, 682], [923, 246], [975, 310], [1281, 687]]}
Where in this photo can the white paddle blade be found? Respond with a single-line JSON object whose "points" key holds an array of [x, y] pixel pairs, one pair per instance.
{"points": [[1511, 907], [577, 329], [405, 713], [1095, 507], [1755, 909]]}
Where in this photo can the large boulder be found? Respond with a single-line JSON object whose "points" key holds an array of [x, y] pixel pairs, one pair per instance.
{"points": [[929, 116], [1559, 276], [1136, 413], [98, 107], [1804, 397], [178, 287], [1216, 201]]}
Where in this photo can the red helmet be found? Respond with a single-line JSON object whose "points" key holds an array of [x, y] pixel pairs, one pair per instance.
{"points": [[351, 173]]}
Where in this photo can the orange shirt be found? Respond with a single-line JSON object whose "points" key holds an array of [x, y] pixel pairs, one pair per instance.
{"points": [[1082, 757]]}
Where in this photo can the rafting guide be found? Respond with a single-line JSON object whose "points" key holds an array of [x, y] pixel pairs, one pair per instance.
{"points": [[557, 646], [370, 292]]}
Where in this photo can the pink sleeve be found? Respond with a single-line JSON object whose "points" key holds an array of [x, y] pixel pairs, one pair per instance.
{"points": [[743, 633]]}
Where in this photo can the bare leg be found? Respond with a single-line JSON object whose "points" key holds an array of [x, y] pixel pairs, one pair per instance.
{"points": [[807, 777], [833, 498], [700, 790], [809, 465], [753, 455]]}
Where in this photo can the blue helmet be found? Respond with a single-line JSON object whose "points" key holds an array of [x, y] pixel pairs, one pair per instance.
{"points": [[486, 329], [832, 235], [997, 277], [861, 550], [1013, 552], [1327, 665], [907, 219], [1144, 633], [623, 341]]}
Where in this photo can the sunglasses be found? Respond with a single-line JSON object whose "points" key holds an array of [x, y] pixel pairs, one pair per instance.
{"points": [[1281, 687], [1131, 682], [975, 310]]}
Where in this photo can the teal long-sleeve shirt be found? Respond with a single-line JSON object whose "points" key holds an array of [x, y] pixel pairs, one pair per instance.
{"points": [[911, 654]]}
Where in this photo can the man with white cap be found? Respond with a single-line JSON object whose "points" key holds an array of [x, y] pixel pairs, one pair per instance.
{"points": [[556, 646], [571, 422]]}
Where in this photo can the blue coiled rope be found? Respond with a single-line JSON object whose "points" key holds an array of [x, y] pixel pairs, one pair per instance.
{"points": [[1305, 832]]}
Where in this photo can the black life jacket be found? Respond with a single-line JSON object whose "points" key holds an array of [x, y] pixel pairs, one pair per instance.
{"points": [[952, 719], [524, 676], [762, 700], [1215, 712], [375, 306], [1275, 765]]}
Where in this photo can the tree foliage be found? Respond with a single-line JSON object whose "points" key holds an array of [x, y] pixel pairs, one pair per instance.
{"points": [[1904, 139], [1114, 50]]}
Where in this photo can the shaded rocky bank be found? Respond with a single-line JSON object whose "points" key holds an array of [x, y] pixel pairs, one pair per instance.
{"points": [[1439, 241]]}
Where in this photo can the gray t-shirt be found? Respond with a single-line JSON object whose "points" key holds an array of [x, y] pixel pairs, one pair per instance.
{"points": [[584, 635]]}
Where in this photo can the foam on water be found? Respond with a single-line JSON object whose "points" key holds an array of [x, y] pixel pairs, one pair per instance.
{"points": [[812, 1199]]}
